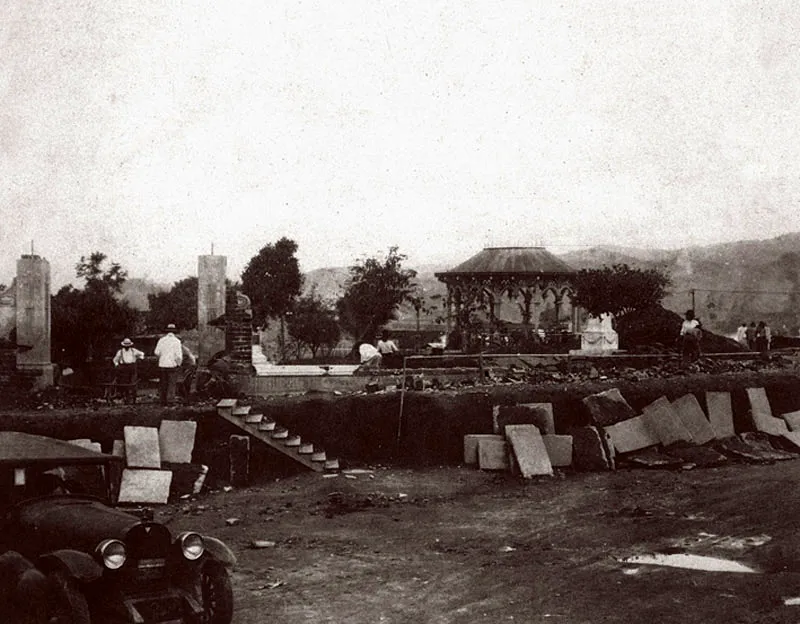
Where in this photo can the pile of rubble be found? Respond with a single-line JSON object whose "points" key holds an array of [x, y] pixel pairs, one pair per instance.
{"points": [[676, 434]]}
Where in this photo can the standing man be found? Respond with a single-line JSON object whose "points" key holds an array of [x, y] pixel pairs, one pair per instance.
{"points": [[126, 371], [169, 352]]}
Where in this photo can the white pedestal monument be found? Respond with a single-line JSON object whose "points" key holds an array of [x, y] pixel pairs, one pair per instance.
{"points": [[599, 337]]}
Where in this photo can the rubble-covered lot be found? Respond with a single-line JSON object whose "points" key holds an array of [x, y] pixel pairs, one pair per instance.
{"points": [[461, 545]]}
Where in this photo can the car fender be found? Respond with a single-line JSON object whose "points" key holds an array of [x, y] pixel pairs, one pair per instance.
{"points": [[76, 564], [217, 549]]}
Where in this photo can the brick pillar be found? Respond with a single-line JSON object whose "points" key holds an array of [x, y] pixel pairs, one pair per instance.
{"points": [[210, 304], [239, 330], [33, 318]]}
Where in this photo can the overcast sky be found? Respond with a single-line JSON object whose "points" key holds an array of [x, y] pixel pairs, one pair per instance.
{"points": [[149, 129]]}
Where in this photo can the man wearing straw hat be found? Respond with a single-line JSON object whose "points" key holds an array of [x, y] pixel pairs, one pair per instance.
{"points": [[125, 369]]}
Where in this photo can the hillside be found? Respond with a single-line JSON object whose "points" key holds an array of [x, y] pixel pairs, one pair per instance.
{"points": [[733, 282]]}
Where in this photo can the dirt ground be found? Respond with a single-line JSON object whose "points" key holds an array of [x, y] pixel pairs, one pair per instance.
{"points": [[456, 544]]}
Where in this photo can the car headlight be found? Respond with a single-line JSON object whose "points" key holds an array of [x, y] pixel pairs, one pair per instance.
{"points": [[113, 554], [192, 545]]}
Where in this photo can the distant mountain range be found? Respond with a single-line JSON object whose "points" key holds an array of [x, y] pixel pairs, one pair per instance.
{"points": [[747, 281]]}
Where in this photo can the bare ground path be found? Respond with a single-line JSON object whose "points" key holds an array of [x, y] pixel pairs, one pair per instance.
{"points": [[454, 545]]}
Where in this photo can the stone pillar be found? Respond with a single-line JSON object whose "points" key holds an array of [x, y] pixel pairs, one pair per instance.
{"points": [[33, 319], [210, 304]]}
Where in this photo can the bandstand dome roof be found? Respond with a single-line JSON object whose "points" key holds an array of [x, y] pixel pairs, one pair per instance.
{"points": [[511, 261]]}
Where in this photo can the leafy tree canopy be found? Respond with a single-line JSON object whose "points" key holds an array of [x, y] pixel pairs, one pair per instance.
{"points": [[313, 324], [178, 305], [272, 280], [83, 321], [619, 289], [373, 293]]}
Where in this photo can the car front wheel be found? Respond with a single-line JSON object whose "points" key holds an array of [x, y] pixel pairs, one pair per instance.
{"points": [[67, 602], [217, 593]]}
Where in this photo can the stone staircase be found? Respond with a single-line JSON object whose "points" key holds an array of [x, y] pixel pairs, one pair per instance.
{"points": [[257, 426]]}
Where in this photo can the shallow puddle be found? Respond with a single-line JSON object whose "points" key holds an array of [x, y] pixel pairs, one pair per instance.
{"points": [[691, 562]]}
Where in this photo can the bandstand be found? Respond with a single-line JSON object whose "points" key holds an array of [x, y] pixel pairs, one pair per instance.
{"points": [[501, 290]]}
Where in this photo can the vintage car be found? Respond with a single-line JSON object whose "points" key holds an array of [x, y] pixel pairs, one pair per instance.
{"points": [[61, 538]]}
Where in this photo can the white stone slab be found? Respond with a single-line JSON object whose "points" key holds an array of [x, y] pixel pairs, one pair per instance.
{"points": [[493, 454], [529, 450], [142, 447], [761, 413], [559, 449], [87, 444], [118, 450], [176, 440], [632, 435], [145, 486], [792, 420], [720, 414], [693, 418], [471, 441], [665, 422]]}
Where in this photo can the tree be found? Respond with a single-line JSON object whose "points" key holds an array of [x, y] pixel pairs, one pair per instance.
{"points": [[272, 280], [178, 305], [373, 293], [313, 324], [84, 320], [619, 289]]}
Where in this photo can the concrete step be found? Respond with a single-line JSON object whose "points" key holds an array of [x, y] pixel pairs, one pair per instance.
{"points": [[280, 433], [293, 440], [331, 464], [306, 448], [241, 410], [254, 419], [266, 425], [319, 456]]}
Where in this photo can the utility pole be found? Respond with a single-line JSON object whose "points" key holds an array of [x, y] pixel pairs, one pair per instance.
{"points": [[692, 291]]}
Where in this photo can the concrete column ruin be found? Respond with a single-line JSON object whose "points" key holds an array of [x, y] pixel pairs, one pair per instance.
{"points": [[210, 304], [33, 319]]}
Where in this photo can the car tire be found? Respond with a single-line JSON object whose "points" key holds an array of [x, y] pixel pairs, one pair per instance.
{"points": [[68, 604], [217, 593]]}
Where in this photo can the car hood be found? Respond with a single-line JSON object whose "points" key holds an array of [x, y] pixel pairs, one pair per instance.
{"points": [[79, 523]]}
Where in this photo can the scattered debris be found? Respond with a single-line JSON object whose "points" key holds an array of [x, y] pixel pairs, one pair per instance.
{"points": [[233, 521], [691, 562], [262, 544]]}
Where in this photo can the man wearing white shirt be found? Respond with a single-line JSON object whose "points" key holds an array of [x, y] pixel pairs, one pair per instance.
{"points": [[125, 366], [169, 352]]}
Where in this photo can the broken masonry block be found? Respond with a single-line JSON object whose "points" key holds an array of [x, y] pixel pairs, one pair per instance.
{"points": [[608, 407], [176, 440], [664, 421], [792, 420], [529, 450], [142, 448], [471, 441], [493, 454], [720, 414], [761, 413], [145, 486], [588, 450], [539, 414], [559, 449], [693, 418], [631, 435]]}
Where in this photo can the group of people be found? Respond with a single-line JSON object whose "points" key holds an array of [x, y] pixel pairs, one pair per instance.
{"points": [[172, 355], [754, 337], [385, 352]]}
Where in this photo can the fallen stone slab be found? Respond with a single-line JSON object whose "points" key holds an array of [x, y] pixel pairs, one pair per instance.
{"points": [[539, 414], [761, 413], [184, 478], [529, 450], [651, 458], [608, 407], [664, 421], [756, 452], [145, 486], [701, 456], [588, 450], [720, 414], [141, 447], [792, 420], [631, 435], [87, 444], [559, 449], [176, 440], [789, 441], [493, 454], [471, 441], [694, 419]]}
